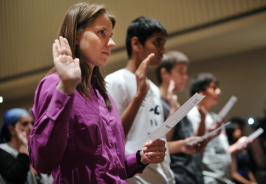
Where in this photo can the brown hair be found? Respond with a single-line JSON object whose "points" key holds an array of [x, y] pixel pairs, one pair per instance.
{"points": [[76, 20], [170, 59]]}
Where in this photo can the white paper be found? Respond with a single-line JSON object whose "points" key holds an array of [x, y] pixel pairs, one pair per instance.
{"points": [[163, 129], [251, 137], [206, 136], [227, 107]]}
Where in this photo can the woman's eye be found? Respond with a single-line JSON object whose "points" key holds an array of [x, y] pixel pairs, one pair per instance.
{"points": [[101, 32]]}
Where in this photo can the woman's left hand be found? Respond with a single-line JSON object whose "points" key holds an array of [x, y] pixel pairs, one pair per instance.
{"points": [[22, 139], [153, 152]]}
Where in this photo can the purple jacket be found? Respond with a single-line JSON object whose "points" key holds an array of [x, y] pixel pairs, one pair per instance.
{"points": [[78, 140]]}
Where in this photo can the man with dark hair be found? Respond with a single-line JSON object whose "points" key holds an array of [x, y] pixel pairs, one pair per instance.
{"points": [[216, 159], [173, 71], [201, 82], [137, 98]]}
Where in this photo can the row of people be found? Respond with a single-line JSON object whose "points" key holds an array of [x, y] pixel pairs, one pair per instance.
{"points": [[85, 132]]}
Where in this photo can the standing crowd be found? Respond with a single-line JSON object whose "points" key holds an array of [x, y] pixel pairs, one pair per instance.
{"points": [[85, 128]]}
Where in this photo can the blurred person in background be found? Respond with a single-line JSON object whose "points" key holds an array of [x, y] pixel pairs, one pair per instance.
{"points": [[216, 158], [240, 160], [172, 77], [257, 151], [14, 159]]}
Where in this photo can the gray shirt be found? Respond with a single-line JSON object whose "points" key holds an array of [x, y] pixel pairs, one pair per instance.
{"points": [[216, 159]]}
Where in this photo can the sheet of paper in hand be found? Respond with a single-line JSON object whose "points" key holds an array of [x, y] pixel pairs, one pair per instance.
{"points": [[207, 135], [163, 129], [227, 107], [251, 137], [231, 102]]}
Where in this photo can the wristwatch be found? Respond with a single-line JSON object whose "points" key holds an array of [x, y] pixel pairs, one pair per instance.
{"points": [[139, 158]]}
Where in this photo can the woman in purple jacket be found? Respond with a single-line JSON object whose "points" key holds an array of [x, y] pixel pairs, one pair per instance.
{"points": [[78, 135]]}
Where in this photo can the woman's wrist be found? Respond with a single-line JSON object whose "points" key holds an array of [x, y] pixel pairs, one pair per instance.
{"points": [[138, 156], [69, 89], [23, 149]]}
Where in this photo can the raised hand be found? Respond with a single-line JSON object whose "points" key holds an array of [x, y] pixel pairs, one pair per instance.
{"points": [[213, 127], [171, 97], [153, 152], [67, 68], [141, 72], [234, 148], [22, 135], [22, 139], [203, 112], [202, 126]]}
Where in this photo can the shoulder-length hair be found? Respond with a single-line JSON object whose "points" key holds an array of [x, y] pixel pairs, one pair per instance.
{"points": [[76, 20]]}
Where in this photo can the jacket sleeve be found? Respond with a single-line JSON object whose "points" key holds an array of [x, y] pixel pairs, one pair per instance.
{"points": [[51, 114], [132, 166], [14, 170]]}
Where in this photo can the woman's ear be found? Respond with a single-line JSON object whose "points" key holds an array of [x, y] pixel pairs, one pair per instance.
{"points": [[12, 130], [135, 44]]}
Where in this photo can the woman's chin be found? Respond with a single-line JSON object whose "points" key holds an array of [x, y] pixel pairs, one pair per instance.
{"points": [[102, 63]]}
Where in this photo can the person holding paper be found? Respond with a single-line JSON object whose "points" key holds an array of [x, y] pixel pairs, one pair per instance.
{"points": [[216, 158], [77, 133], [240, 160], [172, 76], [137, 98]]}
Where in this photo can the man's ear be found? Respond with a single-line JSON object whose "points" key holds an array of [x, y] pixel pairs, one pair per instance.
{"points": [[164, 74], [135, 44]]}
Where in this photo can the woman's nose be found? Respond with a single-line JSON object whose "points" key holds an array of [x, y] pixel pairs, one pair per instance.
{"points": [[111, 43]]}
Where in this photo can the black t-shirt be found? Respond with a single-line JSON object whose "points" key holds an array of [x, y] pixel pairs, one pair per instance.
{"points": [[187, 168], [12, 169]]}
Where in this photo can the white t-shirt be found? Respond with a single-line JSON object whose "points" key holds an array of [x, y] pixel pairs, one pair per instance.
{"points": [[122, 86], [216, 159]]}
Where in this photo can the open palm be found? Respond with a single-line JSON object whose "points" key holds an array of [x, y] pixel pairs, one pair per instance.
{"points": [[141, 76], [67, 68]]}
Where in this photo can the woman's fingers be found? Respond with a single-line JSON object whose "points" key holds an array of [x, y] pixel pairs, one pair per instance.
{"points": [[155, 154], [156, 142], [58, 47], [61, 48], [153, 157], [154, 149], [154, 160], [76, 61], [65, 46], [55, 51]]}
